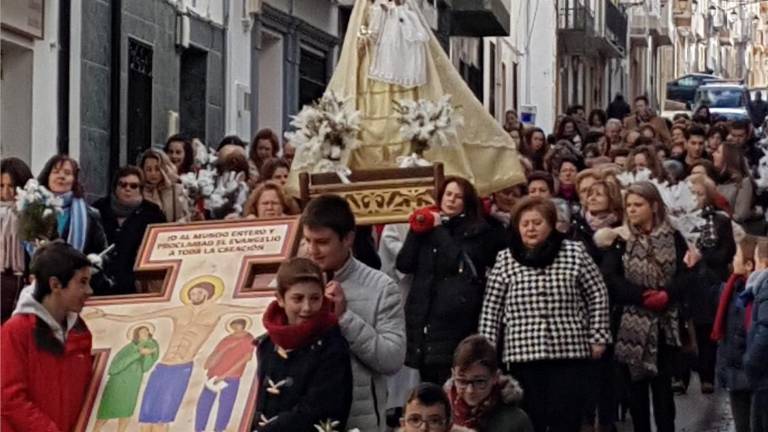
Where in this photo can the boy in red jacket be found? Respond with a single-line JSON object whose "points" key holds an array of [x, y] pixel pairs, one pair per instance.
{"points": [[46, 346]]}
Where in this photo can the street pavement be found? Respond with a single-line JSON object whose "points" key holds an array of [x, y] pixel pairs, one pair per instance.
{"points": [[697, 412]]}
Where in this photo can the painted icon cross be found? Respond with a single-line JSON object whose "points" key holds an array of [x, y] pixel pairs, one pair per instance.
{"points": [[164, 359]]}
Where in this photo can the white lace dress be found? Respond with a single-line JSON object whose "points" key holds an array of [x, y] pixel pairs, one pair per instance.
{"points": [[400, 39]]}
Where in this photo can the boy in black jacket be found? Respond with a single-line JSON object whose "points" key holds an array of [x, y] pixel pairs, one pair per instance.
{"points": [[305, 376]]}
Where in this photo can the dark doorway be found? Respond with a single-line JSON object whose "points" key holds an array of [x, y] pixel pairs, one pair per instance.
{"points": [[492, 80], [192, 95], [515, 96], [139, 98], [473, 74], [313, 77]]}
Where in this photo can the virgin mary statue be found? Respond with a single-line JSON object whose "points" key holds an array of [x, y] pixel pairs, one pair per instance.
{"points": [[390, 54]]}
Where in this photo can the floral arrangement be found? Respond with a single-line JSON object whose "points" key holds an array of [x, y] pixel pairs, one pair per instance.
{"points": [[206, 189], [37, 208], [204, 155], [330, 426], [325, 130], [229, 195], [425, 123]]}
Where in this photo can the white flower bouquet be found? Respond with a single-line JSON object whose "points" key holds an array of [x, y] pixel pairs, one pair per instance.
{"points": [[425, 123], [207, 189], [199, 186], [37, 208], [325, 130], [204, 155], [228, 196]]}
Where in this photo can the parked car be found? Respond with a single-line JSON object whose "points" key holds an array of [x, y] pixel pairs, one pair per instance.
{"points": [[683, 89], [725, 99]]}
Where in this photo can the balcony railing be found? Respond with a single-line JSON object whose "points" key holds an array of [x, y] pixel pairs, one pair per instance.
{"points": [[616, 25], [479, 18], [682, 12], [573, 15]]}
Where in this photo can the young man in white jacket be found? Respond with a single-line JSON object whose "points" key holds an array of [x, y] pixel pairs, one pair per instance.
{"points": [[367, 303]]}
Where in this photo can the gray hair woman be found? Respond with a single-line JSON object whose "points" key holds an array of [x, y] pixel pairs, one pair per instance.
{"points": [[161, 185], [551, 299]]}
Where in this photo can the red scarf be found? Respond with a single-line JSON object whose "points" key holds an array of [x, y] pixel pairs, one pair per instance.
{"points": [[718, 329], [472, 417], [291, 337]]}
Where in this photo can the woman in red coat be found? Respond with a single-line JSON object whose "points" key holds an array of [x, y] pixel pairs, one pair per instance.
{"points": [[46, 346]]}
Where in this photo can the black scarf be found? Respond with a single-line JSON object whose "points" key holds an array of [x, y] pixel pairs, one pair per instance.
{"points": [[123, 210], [539, 257]]}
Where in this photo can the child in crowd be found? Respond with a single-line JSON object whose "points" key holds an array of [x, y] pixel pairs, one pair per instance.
{"points": [[46, 346], [756, 356], [481, 398], [305, 376], [730, 331], [428, 408]]}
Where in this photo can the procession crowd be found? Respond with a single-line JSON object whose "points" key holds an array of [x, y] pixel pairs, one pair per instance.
{"points": [[556, 305]]}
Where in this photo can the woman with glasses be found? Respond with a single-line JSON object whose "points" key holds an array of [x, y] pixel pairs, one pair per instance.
{"points": [[546, 306], [481, 398], [125, 215]]}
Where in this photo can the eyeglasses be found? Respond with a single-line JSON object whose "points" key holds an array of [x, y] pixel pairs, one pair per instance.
{"points": [[478, 384], [126, 185], [433, 423]]}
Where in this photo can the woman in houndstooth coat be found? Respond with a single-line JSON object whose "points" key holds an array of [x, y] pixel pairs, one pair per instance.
{"points": [[547, 302]]}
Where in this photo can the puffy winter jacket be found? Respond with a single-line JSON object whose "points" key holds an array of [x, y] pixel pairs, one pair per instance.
{"points": [[320, 387], [374, 327], [443, 306], [730, 352]]}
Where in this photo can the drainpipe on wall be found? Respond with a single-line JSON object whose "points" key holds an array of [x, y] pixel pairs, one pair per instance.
{"points": [[255, 54], [115, 81], [225, 69], [65, 23]]}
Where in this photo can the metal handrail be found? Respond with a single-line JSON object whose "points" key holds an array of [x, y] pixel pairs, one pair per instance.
{"points": [[575, 16]]}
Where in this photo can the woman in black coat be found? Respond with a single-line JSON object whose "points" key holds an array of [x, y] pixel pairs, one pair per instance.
{"points": [[602, 208], [125, 215], [646, 270], [447, 250], [717, 248]]}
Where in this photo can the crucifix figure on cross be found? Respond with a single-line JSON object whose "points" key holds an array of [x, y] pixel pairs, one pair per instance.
{"points": [[215, 282], [193, 324]]}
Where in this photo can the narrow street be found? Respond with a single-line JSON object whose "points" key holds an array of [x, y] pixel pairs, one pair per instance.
{"points": [[697, 412]]}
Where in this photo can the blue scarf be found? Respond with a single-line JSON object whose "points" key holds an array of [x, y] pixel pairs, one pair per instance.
{"points": [[74, 216]]}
